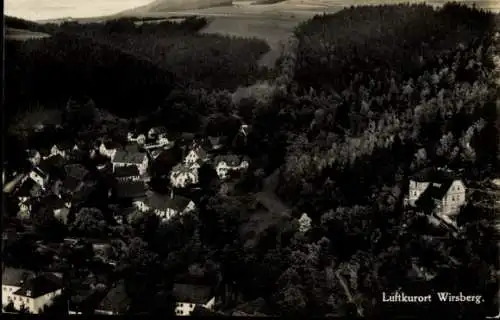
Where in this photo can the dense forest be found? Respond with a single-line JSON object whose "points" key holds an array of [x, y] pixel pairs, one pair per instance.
{"points": [[104, 60], [363, 99]]}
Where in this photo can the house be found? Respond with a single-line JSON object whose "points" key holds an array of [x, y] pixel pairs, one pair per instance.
{"points": [[58, 149], [196, 154], [436, 191], [155, 132], [127, 173], [132, 137], [189, 296], [165, 206], [34, 157], [33, 292], [39, 176], [107, 149], [116, 301], [26, 195], [12, 280], [225, 164], [181, 176], [124, 158], [14, 184]]}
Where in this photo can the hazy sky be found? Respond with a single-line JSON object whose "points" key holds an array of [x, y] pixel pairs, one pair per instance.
{"points": [[53, 9]]}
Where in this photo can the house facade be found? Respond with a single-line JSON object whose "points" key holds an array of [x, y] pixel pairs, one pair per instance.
{"points": [[30, 291], [165, 207], [443, 195], [123, 158], [40, 177], [183, 176], [189, 296], [195, 155], [224, 167]]}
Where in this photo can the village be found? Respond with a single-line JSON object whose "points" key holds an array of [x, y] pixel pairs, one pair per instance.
{"points": [[61, 182]]}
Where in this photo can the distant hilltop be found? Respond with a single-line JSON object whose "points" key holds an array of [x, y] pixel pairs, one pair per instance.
{"points": [[159, 6]]}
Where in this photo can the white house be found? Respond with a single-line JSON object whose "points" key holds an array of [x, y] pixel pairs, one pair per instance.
{"points": [[196, 155], [107, 151], [57, 150], [165, 207], [226, 164], [189, 296], [25, 289], [34, 157], [182, 176], [123, 158], [437, 191]]}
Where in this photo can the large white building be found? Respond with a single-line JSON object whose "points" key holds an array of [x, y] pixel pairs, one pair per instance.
{"points": [[25, 289]]}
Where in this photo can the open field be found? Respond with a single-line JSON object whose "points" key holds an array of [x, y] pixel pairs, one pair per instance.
{"points": [[23, 35]]}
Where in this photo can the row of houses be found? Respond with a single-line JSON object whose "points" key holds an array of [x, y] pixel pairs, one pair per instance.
{"points": [[34, 291]]}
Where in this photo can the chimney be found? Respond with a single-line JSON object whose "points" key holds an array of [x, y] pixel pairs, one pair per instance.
{"points": [[171, 193]]}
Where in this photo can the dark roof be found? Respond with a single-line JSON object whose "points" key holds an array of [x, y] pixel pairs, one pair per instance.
{"points": [[435, 191], [40, 285], [190, 293], [40, 172], [15, 277], [231, 160], [202, 311], [433, 175], [54, 202], [122, 156], [178, 203], [126, 171], [116, 299], [71, 183], [76, 170], [27, 189], [130, 189], [56, 161]]}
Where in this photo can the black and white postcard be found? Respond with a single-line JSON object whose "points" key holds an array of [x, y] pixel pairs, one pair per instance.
{"points": [[255, 158]]}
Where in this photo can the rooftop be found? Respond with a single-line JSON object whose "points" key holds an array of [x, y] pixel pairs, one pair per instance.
{"points": [[28, 188], [40, 285], [130, 189], [159, 201], [126, 171], [15, 277], [189, 293], [123, 156]]}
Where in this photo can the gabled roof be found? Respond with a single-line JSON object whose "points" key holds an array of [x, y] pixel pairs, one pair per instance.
{"points": [[122, 156], [189, 293], [15, 277], [163, 202], [435, 191], [130, 189], [433, 175], [126, 171], [116, 300], [40, 172], [40, 285]]}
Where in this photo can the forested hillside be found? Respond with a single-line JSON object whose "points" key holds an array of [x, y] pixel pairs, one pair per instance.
{"points": [[208, 61], [49, 71]]}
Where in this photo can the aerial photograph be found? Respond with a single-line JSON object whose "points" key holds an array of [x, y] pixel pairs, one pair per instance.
{"points": [[251, 158]]}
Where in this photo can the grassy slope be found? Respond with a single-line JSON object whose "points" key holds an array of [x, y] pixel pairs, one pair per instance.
{"points": [[175, 5]]}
